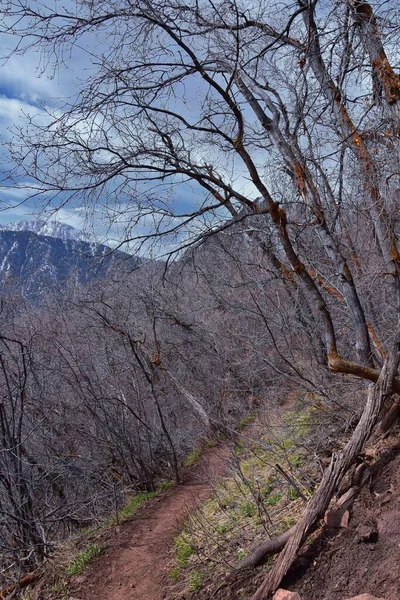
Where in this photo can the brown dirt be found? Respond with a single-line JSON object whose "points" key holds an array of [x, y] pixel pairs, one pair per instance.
{"points": [[138, 555], [340, 563]]}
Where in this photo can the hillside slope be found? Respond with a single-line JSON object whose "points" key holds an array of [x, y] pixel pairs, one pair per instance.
{"points": [[365, 557]]}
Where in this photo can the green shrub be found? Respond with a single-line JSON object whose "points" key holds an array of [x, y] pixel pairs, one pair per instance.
{"points": [[183, 550]]}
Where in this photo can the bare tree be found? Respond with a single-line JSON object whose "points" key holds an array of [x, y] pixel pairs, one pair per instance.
{"points": [[287, 124]]}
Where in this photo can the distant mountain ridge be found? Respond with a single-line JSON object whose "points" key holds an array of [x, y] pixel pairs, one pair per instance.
{"points": [[49, 228], [38, 258]]}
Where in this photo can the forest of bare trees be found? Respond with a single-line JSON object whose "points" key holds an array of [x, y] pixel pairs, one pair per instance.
{"points": [[257, 145]]}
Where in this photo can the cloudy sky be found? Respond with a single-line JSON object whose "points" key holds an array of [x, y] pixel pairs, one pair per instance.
{"points": [[27, 89], [24, 91]]}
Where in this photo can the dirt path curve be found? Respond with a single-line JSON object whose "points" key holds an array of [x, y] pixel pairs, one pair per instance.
{"points": [[138, 554]]}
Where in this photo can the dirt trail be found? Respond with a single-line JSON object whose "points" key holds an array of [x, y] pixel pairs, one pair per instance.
{"points": [[138, 554]]}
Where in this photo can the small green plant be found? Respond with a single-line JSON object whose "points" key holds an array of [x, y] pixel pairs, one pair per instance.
{"points": [[248, 509], [59, 587], [288, 522], [81, 560], [240, 446], [241, 553], [174, 574], [195, 581], [292, 494], [296, 460], [210, 444], [193, 457], [244, 422], [227, 502], [165, 485], [273, 499], [183, 550], [89, 530], [267, 489]]}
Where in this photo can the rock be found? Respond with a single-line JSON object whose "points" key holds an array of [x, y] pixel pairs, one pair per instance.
{"points": [[337, 518], [282, 594], [344, 522], [79, 579], [365, 597], [367, 533]]}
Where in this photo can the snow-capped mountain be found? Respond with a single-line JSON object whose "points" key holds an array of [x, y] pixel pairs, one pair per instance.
{"points": [[48, 227], [37, 258]]}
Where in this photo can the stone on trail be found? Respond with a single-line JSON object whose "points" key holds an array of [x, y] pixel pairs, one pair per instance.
{"points": [[367, 533], [337, 518], [282, 594]]}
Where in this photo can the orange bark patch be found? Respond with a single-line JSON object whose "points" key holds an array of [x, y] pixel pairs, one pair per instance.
{"points": [[322, 282]]}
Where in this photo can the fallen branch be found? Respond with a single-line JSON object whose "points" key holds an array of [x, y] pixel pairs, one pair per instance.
{"points": [[26, 580], [268, 548]]}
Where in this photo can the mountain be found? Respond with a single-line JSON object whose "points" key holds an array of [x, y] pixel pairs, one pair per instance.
{"points": [[38, 257], [49, 228]]}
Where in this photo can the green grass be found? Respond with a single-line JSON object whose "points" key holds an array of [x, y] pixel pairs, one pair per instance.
{"points": [[240, 447], [174, 574], [241, 553], [81, 560], [193, 457], [183, 550], [195, 581], [248, 509], [231, 514], [273, 499], [267, 489], [244, 422], [163, 486], [136, 502]]}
